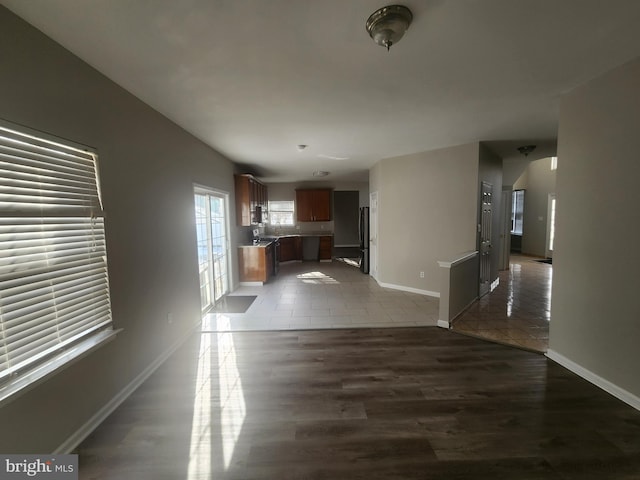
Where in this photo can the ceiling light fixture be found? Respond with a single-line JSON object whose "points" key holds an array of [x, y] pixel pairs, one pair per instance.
{"points": [[320, 173], [332, 157], [526, 149], [387, 25], [301, 147]]}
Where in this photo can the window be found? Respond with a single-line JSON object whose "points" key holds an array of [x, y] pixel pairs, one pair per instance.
{"points": [[213, 244], [554, 163], [281, 213], [54, 291], [517, 211]]}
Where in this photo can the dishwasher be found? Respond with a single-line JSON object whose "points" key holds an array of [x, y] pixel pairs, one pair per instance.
{"points": [[310, 248]]}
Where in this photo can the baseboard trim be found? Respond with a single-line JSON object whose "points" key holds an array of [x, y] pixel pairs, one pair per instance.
{"points": [[90, 425], [597, 380], [444, 324], [408, 289]]}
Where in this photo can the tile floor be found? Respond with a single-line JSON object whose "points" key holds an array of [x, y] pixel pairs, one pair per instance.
{"points": [[517, 312], [311, 295]]}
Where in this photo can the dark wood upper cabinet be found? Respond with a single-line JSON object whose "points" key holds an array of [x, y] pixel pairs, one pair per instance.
{"points": [[251, 200], [313, 205]]}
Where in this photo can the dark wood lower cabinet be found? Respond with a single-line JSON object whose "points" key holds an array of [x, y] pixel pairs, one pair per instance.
{"points": [[326, 251], [255, 264], [290, 249]]}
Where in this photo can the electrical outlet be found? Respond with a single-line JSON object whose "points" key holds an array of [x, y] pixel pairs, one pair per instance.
{"points": [[421, 274]]}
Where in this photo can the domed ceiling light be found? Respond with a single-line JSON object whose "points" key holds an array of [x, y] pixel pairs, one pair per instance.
{"points": [[526, 149], [387, 25]]}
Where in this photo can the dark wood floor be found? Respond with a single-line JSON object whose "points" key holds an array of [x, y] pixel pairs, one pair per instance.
{"points": [[404, 403]]}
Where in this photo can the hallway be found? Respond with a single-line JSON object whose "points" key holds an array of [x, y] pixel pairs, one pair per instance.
{"points": [[518, 311]]}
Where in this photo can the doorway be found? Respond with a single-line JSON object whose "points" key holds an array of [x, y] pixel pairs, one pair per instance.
{"points": [[551, 225], [505, 228], [212, 236], [373, 234]]}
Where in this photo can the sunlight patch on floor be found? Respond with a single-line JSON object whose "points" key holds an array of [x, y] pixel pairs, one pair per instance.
{"points": [[231, 404], [317, 278], [233, 409]]}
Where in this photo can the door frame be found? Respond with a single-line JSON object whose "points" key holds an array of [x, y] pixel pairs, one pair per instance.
{"points": [[209, 191], [505, 228], [552, 206], [374, 204]]}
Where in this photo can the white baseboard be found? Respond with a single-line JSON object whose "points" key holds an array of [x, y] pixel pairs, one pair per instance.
{"points": [[251, 284], [409, 289], [443, 324], [620, 393], [90, 425]]}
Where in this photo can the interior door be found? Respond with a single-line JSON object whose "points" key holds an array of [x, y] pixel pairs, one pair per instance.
{"points": [[486, 216], [211, 210]]}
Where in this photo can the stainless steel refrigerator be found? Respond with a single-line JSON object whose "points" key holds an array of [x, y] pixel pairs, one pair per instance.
{"points": [[364, 239]]}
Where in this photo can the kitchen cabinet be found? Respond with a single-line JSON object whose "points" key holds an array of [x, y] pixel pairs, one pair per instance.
{"points": [[326, 252], [313, 205], [255, 263], [251, 200], [290, 249]]}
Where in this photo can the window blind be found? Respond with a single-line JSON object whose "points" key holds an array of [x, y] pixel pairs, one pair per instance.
{"points": [[54, 289]]}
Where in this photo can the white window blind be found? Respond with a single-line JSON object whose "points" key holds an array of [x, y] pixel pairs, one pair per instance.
{"points": [[54, 290]]}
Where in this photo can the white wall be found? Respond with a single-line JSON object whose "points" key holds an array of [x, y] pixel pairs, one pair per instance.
{"points": [[148, 167], [428, 207], [595, 313]]}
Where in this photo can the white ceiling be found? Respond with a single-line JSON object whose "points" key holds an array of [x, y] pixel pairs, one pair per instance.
{"points": [[255, 78]]}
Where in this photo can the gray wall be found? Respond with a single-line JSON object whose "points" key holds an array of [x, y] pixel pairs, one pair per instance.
{"points": [[428, 207], [595, 315], [346, 218], [539, 181], [148, 167]]}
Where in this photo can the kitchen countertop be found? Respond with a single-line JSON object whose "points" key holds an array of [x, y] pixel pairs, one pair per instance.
{"points": [[262, 244], [269, 239], [311, 234]]}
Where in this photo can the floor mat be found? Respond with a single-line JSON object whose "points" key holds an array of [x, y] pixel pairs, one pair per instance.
{"points": [[234, 304]]}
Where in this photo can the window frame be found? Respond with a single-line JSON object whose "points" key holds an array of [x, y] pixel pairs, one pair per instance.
{"points": [[53, 267], [273, 210]]}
